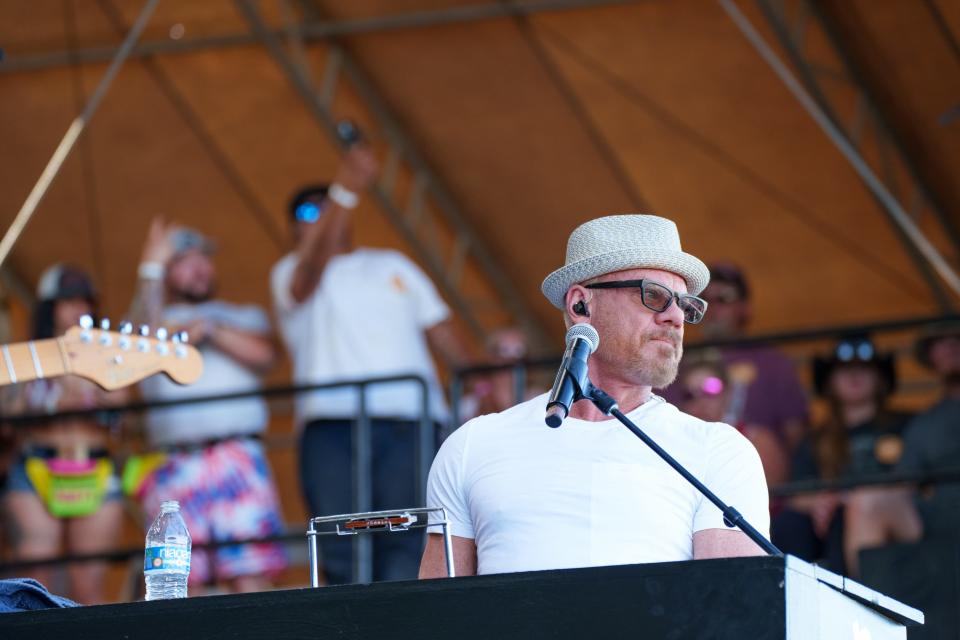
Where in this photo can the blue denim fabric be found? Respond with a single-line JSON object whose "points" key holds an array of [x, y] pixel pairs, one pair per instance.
{"points": [[26, 594], [327, 482]]}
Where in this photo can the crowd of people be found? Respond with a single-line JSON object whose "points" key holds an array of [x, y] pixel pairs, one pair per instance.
{"points": [[861, 435], [330, 299]]}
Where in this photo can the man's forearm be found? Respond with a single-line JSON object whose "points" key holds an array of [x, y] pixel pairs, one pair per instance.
{"points": [[148, 302], [253, 351], [434, 564], [317, 247]]}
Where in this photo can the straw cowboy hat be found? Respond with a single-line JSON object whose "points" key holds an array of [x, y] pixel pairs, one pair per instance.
{"points": [[617, 243]]}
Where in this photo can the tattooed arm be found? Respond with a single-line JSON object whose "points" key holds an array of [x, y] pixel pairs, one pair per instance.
{"points": [[149, 298]]}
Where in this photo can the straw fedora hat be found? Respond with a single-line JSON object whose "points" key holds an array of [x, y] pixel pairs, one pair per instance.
{"points": [[616, 243]]}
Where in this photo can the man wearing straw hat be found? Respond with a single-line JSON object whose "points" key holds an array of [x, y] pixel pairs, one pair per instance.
{"points": [[521, 496]]}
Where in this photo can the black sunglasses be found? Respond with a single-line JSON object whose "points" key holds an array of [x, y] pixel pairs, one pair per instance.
{"points": [[658, 298]]}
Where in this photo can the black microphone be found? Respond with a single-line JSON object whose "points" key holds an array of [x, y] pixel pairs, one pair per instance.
{"points": [[572, 380]]}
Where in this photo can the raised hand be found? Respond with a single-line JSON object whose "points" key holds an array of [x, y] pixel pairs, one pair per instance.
{"points": [[158, 247], [358, 169]]}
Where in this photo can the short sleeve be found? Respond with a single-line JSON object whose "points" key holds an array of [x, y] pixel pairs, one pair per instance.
{"points": [[431, 309], [445, 485], [734, 473], [280, 279]]}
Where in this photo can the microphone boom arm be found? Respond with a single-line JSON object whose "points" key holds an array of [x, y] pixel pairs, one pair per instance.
{"points": [[731, 517]]}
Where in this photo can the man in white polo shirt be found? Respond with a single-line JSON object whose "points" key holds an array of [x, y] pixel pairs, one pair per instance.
{"points": [[353, 313], [521, 496]]}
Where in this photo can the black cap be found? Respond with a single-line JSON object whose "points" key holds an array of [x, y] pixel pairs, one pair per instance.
{"points": [[854, 349], [62, 281]]}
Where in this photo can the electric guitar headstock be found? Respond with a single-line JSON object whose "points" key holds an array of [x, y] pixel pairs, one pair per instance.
{"points": [[114, 359]]}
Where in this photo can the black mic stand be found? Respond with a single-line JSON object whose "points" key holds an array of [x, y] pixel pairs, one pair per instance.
{"points": [[731, 517]]}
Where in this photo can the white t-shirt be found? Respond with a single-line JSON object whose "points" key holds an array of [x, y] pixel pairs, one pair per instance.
{"points": [[365, 319], [221, 374], [590, 493]]}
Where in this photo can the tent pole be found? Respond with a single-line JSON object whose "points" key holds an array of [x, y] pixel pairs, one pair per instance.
{"points": [[890, 204], [73, 134]]}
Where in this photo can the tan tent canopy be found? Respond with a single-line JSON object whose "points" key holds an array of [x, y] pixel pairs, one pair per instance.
{"points": [[501, 126]]}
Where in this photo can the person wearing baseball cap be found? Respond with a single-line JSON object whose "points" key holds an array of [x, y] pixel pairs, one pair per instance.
{"points": [[64, 293], [215, 462], [520, 496], [352, 312], [43, 511]]}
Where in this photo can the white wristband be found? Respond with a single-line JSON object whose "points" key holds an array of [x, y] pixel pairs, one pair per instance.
{"points": [[343, 196], [151, 270]]}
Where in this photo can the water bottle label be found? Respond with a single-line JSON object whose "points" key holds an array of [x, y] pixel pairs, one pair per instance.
{"points": [[170, 558]]}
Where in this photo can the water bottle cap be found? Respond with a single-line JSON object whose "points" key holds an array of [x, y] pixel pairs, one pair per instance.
{"points": [[170, 505]]}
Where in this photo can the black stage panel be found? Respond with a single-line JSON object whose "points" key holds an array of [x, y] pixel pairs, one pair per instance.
{"points": [[744, 598]]}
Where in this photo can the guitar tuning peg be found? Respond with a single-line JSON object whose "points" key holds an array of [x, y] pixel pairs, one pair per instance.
{"points": [[162, 334], [144, 330], [86, 321], [180, 339], [126, 328], [105, 324]]}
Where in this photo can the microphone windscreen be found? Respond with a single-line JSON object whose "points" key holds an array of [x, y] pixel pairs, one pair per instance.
{"points": [[586, 331]]}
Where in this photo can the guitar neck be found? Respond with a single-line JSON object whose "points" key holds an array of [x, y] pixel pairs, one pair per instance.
{"points": [[25, 361]]}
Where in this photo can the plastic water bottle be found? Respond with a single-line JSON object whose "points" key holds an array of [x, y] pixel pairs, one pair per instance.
{"points": [[166, 558]]}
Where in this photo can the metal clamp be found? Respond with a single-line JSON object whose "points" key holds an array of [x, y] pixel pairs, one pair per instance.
{"points": [[396, 521]]}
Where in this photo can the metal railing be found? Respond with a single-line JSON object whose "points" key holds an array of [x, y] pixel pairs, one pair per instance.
{"points": [[881, 479], [521, 368], [425, 440], [127, 553], [520, 371], [361, 454]]}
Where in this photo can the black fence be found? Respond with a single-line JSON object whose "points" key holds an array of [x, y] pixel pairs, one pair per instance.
{"points": [[426, 433], [360, 453]]}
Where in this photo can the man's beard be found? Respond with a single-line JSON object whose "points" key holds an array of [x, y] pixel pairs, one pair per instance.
{"points": [[660, 370], [196, 297], [643, 361]]}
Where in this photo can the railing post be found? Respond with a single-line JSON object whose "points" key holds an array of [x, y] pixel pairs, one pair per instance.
{"points": [[362, 545], [519, 382], [425, 445], [456, 396], [313, 553]]}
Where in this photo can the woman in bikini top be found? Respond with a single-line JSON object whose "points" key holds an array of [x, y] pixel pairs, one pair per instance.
{"points": [[62, 488]]}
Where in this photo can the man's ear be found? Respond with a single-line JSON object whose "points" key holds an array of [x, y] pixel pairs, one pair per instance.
{"points": [[577, 303]]}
